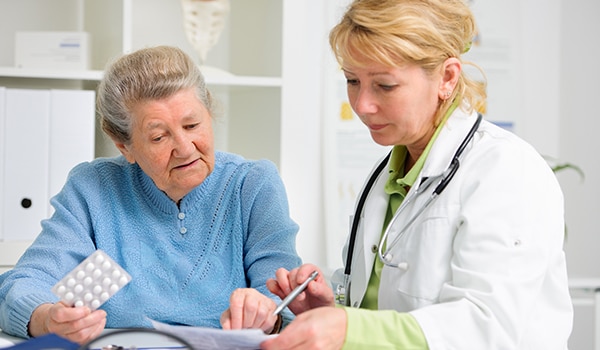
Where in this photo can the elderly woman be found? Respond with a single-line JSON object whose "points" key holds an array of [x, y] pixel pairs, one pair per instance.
{"points": [[189, 224]]}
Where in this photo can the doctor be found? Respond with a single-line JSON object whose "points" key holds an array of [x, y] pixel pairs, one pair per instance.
{"points": [[457, 239]]}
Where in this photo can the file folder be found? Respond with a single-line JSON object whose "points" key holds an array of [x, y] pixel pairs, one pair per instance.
{"points": [[26, 150], [2, 132], [72, 130]]}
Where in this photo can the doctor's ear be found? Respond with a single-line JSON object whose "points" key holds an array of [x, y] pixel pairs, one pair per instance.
{"points": [[450, 72]]}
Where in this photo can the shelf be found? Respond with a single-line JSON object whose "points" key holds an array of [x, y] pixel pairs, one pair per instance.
{"points": [[213, 76], [50, 74]]}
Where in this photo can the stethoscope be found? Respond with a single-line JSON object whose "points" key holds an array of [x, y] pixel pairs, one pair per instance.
{"points": [[386, 256]]}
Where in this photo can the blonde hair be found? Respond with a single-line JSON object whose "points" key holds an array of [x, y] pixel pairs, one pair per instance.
{"points": [[421, 32]]}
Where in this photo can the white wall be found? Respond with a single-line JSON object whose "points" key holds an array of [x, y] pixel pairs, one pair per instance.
{"points": [[302, 70], [579, 142], [580, 124]]}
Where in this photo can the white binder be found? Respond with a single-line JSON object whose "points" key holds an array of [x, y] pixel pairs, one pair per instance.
{"points": [[2, 132], [26, 143], [71, 134]]}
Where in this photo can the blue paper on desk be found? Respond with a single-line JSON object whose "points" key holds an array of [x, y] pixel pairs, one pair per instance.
{"points": [[45, 342], [202, 338]]}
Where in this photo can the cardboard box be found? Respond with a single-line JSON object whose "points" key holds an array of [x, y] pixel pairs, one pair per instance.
{"points": [[52, 50]]}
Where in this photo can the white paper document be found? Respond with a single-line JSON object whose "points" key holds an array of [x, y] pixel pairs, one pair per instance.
{"points": [[203, 338], [4, 343]]}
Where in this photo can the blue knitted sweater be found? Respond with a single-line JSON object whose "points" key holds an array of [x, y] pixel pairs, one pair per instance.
{"points": [[234, 230]]}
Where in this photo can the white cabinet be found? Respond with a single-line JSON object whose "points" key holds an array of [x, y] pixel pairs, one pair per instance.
{"points": [[258, 70]]}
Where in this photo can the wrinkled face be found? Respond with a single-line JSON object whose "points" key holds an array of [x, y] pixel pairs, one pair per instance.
{"points": [[172, 141], [397, 104]]}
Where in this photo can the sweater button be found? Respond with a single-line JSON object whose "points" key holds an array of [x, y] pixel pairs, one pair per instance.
{"points": [[374, 248], [181, 216], [182, 230]]}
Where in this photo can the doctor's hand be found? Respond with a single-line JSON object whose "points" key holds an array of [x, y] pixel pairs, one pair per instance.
{"points": [[317, 292], [77, 324], [248, 308], [320, 328]]}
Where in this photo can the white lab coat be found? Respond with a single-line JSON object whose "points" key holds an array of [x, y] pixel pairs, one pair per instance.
{"points": [[485, 262]]}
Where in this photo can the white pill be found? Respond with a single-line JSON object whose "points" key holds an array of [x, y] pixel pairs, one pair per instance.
{"points": [[90, 266], [80, 274], [116, 274], [95, 303], [97, 273], [87, 281], [106, 265], [69, 296], [113, 288], [87, 296], [99, 259], [97, 289], [104, 296], [79, 303], [78, 289], [61, 289], [71, 282]]}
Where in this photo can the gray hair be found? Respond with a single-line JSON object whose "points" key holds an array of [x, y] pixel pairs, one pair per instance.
{"points": [[145, 75]]}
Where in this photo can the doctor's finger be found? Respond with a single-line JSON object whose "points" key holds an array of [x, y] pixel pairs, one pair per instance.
{"points": [[283, 278], [274, 288], [288, 339], [305, 271]]}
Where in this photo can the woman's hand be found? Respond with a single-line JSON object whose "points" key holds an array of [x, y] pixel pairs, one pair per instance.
{"points": [[321, 328], [248, 308], [77, 324], [317, 293]]}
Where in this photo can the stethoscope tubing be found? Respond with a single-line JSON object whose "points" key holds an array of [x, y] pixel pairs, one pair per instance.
{"points": [[359, 207], [446, 177]]}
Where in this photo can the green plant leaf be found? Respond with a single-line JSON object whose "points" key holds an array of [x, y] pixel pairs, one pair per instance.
{"points": [[560, 166]]}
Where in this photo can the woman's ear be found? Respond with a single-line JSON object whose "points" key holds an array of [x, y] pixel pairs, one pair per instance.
{"points": [[451, 69], [125, 151]]}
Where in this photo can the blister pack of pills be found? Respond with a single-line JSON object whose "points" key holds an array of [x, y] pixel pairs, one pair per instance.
{"points": [[92, 282]]}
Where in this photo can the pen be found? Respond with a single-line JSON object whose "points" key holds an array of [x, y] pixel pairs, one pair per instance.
{"points": [[287, 300]]}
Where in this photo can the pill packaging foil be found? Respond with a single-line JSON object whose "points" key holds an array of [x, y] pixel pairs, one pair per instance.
{"points": [[92, 282]]}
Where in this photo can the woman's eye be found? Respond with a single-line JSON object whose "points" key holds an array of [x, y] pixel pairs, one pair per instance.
{"points": [[157, 137], [352, 81], [191, 126], [386, 87]]}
